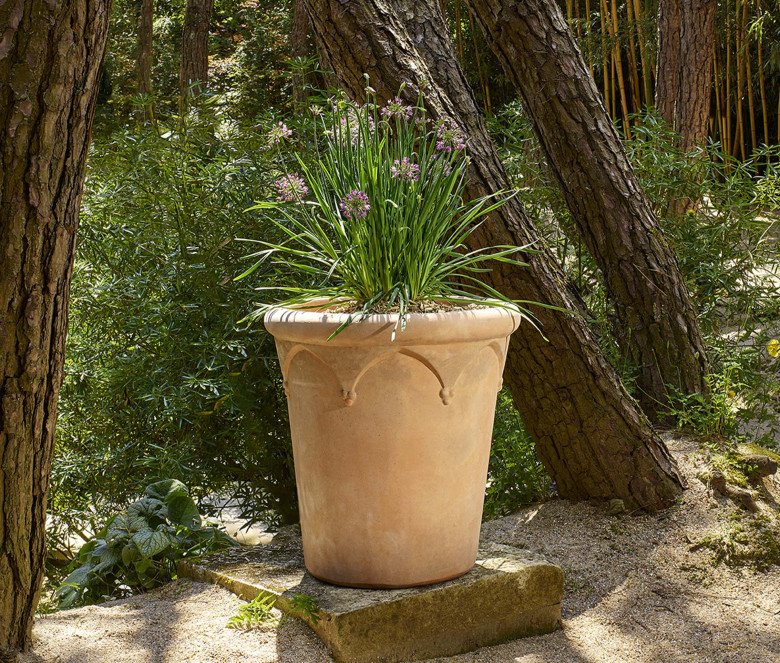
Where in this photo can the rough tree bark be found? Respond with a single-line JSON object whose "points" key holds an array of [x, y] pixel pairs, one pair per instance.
{"points": [[686, 35], [656, 325], [144, 63], [299, 49], [50, 56], [588, 431], [194, 70]]}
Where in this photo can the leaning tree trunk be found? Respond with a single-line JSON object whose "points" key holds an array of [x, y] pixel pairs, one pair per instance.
{"points": [[656, 322], [144, 63], [50, 55], [194, 72], [588, 430], [686, 39]]}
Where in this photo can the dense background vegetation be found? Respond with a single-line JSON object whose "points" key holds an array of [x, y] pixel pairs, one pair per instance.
{"points": [[164, 381]]}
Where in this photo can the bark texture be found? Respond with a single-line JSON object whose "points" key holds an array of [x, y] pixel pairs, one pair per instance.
{"points": [[657, 325], [50, 56], [686, 38], [144, 62], [588, 431], [299, 48], [145, 33], [194, 72]]}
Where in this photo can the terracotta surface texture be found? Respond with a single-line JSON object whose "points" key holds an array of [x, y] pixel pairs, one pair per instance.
{"points": [[509, 593], [391, 438]]}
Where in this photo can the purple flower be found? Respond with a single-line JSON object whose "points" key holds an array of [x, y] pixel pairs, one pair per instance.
{"points": [[355, 204], [449, 137], [397, 108], [279, 133], [405, 170], [291, 188], [352, 125]]}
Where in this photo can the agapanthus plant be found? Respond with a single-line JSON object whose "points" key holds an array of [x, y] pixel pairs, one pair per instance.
{"points": [[385, 225]]}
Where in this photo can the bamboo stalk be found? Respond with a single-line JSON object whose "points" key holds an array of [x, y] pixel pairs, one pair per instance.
{"points": [[588, 33], [633, 67], [739, 141], [646, 69], [459, 30], [718, 95], [762, 81], [578, 19], [604, 55], [649, 8], [748, 75], [751, 106], [619, 70], [728, 75]]}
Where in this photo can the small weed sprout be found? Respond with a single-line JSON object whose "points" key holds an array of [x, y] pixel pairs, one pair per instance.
{"points": [[257, 612], [303, 606]]}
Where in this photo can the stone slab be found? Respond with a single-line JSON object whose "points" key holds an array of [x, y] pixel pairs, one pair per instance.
{"points": [[510, 593]]}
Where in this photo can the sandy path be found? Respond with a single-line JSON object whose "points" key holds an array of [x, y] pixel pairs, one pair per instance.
{"points": [[635, 593]]}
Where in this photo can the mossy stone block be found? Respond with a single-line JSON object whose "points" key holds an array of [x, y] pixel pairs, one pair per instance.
{"points": [[510, 593]]}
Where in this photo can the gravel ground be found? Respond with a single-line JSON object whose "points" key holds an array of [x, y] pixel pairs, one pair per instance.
{"points": [[638, 590]]}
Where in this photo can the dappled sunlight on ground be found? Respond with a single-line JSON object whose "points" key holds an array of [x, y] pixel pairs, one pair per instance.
{"points": [[638, 589]]}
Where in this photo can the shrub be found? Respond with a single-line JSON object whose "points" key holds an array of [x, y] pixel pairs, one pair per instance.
{"points": [[161, 381], [138, 548], [516, 476]]}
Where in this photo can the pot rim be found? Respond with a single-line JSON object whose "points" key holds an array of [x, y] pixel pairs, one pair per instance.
{"points": [[293, 323]]}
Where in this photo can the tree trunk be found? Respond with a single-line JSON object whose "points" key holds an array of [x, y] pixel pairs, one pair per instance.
{"points": [[299, 49], [686, 33], [588, 431], [194, 72], [144, 64], [657, 324], [50, 55]]}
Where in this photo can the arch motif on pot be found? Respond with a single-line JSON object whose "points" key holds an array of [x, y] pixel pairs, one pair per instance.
{"points": [[447, 374]]}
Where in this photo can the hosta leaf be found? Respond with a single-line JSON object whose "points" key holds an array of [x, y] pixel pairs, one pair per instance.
{"points": [[111, 554], [79, 575], [165, 489], [145, 512], [182, 511], [130, 553], [151, 542], [142, 565], [119, 528]]}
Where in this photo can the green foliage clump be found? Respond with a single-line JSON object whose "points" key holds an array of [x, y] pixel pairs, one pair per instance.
{"points": [[138, 548], [516, 476], [161, 380], [715, 415]]}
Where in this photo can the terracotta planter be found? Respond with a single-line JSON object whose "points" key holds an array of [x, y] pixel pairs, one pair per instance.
{"points": [[391, 439]]}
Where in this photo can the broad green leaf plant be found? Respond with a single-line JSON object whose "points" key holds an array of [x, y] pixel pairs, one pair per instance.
{"points": [[377, 218], [139, 547]]}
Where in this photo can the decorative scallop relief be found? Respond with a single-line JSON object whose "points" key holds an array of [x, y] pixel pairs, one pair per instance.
{"points": [[349, 365]]}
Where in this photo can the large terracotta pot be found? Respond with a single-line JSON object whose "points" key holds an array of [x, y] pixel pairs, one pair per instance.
{"points": [[391, 439]]}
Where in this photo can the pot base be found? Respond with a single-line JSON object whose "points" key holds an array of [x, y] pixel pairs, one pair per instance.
{"points": [[370, 585]]}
